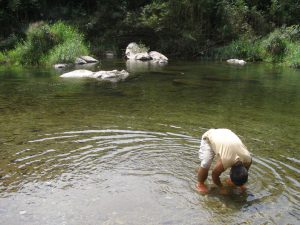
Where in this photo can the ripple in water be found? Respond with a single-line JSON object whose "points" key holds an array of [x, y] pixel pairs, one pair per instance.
{"points": [[136, 177]]}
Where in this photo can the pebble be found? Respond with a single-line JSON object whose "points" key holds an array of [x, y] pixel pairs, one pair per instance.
{"points": [[22, 212]]}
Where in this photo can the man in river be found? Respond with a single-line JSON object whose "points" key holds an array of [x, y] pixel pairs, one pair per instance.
{"points": [[231, 152]]}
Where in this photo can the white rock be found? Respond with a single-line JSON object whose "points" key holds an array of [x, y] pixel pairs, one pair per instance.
{"points": [[143, 56], [236, 61], [88, 59], [132, 49], [60, 66], [78, 74], [114, 75], [22, 212], [80, 61], [158, 57]]}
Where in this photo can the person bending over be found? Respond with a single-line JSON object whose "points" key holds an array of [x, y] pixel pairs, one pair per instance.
{"points": [[230, 152]]}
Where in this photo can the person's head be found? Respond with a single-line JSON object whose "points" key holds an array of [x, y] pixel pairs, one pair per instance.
{"points": [[238, 174]]}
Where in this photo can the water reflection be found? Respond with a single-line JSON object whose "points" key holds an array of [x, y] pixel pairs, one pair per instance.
{"points": [[138, 66], [89, 152]]}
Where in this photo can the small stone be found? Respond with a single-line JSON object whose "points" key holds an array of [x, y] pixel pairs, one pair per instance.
{"points": [[22, 212], [60, 66], [88, 59], [80, 61]]}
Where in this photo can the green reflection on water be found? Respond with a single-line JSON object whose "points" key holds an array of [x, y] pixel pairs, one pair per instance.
{"points": [[259, 102], [256, 101]]}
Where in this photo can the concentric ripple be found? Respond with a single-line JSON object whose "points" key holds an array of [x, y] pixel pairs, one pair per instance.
{"points": [[121, 172]]}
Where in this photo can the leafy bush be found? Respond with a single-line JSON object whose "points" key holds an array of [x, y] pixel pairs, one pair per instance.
{"points": [[48, 44], [241, 48], [9, 42], [274, 47], [2, 57], [65, 52], [293, 55]]}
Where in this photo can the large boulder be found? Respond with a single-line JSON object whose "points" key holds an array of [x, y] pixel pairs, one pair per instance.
{"points": [[236, 61], [114, 75], [135, 52], [133, 49]]}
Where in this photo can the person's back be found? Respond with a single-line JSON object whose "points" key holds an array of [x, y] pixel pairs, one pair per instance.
{"points": [[228, 146], [231, 152]]}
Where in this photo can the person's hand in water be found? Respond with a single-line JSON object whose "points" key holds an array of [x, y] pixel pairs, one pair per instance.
{"points": [[202, 188], [223, 191], [230, 183]]}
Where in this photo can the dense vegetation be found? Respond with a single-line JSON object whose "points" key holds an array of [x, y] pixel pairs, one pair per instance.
{"points": [[251, 29]]}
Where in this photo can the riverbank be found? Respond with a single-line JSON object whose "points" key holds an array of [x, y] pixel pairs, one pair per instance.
{"points": [[49, 44]]}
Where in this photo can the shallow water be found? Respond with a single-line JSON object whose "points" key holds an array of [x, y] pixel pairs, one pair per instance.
{"points": [[91, 152]]}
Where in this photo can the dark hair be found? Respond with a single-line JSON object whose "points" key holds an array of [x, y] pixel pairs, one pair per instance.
{"points": [[239, 174]]}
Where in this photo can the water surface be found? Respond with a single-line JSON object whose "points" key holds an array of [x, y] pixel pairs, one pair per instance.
{"points": [[80, 151]]}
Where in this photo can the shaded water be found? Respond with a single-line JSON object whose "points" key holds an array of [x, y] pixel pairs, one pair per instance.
{"points": [[92, 152]]}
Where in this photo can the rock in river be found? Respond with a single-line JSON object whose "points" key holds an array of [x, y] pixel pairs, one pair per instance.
{"points": [[236, 61], [113, 75], [135, 52]]}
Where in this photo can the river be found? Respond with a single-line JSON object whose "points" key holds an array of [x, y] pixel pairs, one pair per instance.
{"points": [[81, 151]]}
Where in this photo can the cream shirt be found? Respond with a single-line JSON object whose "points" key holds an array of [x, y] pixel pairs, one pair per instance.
{"points": [[228, 146]]}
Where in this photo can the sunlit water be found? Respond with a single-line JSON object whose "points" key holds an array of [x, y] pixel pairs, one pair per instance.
{"points": [[91, 152]]}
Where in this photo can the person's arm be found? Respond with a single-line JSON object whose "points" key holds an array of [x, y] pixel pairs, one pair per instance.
{"points": [[217, 171]]}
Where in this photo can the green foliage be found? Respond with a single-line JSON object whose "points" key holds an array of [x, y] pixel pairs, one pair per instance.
{"points": [[141, 48], [176, 27], [280, 46], [293, 55], [9, 42], [65, 52], [47, 44], [2, 57], [274, 47], [154, 14], [243, 48]]}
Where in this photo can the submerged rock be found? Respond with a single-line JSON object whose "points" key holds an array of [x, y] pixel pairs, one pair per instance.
{"points": [[114, 75], [236, 61]]}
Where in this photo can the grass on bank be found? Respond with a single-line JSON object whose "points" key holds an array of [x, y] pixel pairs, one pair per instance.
{"points": [[49, 44], [280, 46]]}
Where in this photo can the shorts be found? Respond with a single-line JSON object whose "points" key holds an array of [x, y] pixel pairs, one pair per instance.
{"points": [[206, 154]]}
